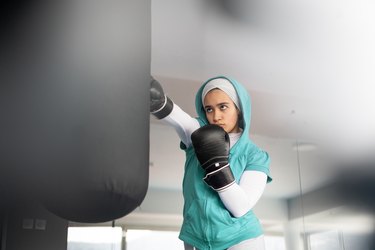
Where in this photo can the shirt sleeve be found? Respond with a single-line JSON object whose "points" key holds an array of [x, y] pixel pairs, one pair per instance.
{"points": [[241, 198], [183, 123], [259, 161]]}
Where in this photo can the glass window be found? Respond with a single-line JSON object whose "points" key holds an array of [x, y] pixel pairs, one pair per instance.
{"points": [[161, 240], [109, 238], [94, 238], [274, 242], [151, 239], [329, 240]]}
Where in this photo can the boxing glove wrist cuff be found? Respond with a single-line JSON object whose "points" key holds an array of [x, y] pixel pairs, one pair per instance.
{"points": [[220, 179], [164, 110], [214, 163]]}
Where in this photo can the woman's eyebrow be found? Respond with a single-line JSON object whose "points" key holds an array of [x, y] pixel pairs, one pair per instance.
{"points": [[222, 103], [219, 104]]}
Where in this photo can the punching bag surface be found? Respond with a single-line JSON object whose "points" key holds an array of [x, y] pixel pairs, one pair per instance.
{"points": [[74, 101]]}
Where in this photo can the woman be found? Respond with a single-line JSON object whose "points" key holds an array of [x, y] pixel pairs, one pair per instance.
{"points": [[225, 172]]}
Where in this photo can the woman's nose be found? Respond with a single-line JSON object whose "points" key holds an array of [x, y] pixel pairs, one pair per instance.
{"points": [[217, 116]]}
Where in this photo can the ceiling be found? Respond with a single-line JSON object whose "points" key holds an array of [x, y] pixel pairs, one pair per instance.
{"points": [[309, 67]]}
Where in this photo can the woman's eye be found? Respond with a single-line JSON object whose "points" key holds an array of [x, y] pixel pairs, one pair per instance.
{"points": [[223, 107], [208, 110]]}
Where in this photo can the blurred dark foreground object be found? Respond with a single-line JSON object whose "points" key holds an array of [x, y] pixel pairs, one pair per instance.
{"points": [[74, 105], [356, 186]]}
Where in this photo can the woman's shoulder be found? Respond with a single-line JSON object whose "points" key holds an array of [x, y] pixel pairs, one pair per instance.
{"points": [[250, 147], [254, 153]]}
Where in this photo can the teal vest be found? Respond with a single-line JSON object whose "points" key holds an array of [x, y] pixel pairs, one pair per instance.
{"points": [[207, 223]]}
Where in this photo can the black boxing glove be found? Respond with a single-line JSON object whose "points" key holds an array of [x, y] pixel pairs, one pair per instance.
{"points": [[211, 144], [160, 104]]}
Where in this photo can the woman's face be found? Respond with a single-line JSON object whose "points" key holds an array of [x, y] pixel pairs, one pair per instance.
{"points": [[221, 110]]}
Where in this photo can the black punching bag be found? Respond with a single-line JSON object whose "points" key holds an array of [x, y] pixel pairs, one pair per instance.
{"points": [[74, 105]]}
